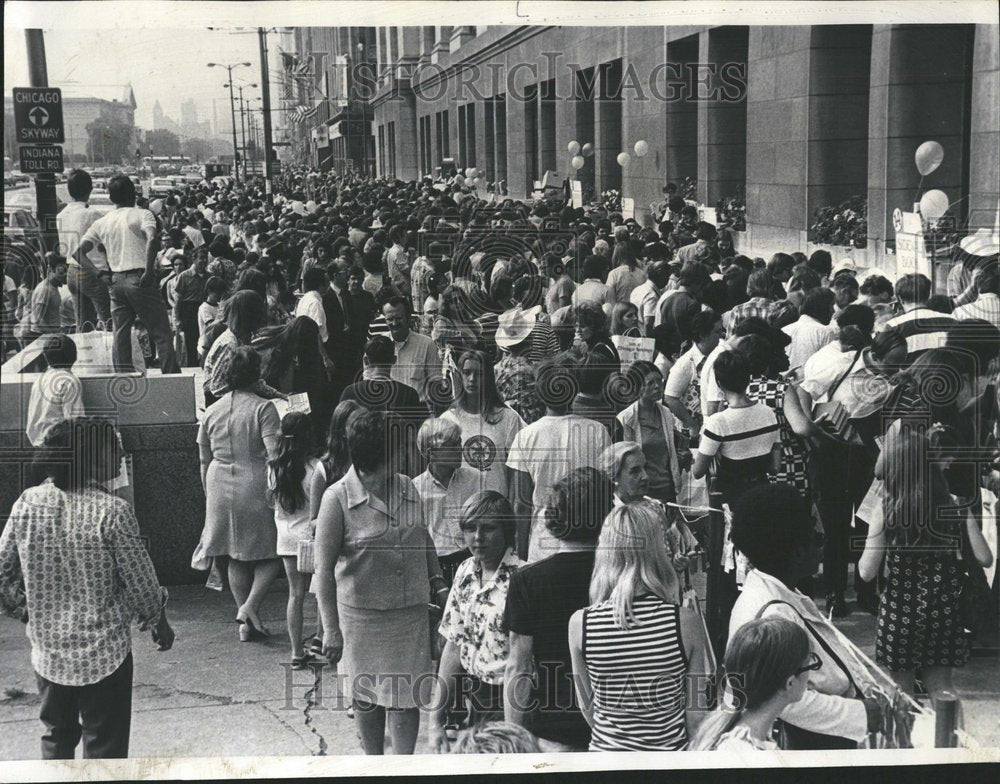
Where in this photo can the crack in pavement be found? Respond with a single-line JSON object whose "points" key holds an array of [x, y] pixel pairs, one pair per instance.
{"points": [[297, 734], [167, 691]]}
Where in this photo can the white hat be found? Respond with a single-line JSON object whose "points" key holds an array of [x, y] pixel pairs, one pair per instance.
{"points": [[516, 325], [982, 243], [843, 265], [156, 206]]}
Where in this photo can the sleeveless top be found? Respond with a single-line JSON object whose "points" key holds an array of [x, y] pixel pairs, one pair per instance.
{"points": [[637, 676]]}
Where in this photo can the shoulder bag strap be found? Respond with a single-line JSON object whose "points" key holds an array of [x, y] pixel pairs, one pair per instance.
{"points": [[822, 642], [839, 381]]}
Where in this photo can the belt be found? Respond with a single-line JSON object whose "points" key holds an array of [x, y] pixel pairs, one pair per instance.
{"points": [[135, 271]]}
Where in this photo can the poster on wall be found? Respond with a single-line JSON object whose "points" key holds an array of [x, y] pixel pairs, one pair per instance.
{"points": [[576, 189]]}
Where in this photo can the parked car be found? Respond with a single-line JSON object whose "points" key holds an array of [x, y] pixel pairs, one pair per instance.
{"points": [[22, 240], [161, 187]]}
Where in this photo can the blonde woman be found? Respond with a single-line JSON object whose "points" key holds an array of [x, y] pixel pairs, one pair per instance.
{"points": [[631, 648]]}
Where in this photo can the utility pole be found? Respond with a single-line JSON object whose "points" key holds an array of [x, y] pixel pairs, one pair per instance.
{"points": [[232, 112], [243, 135], [265, 90], [45, 184]]}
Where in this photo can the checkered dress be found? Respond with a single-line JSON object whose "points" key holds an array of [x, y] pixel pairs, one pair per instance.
{"points": [[794, 451]]}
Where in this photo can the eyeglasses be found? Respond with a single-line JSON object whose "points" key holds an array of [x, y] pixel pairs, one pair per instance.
{"points": [[814, 664]]}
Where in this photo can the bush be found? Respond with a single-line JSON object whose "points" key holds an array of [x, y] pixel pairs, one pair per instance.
{"points": [[732, 211], [846, 224], [611, 200]]}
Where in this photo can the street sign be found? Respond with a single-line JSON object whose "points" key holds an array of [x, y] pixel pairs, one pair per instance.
{"points": [[41, 158], [38, 115]]}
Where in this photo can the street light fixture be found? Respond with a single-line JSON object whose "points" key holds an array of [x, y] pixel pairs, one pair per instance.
{"points": [[232, 111]]}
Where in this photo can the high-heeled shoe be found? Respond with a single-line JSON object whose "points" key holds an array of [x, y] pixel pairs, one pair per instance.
{"points": [[251, 631]]}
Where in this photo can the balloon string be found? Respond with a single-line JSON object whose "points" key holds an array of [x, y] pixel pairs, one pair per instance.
{"points": [[920, 185]]}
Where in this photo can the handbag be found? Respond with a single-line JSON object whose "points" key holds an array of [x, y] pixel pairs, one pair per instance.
{"points": [[306, 556], [976, 610]]}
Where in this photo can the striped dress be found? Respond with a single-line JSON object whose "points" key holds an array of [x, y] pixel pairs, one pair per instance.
{"points": [[637, 676]]}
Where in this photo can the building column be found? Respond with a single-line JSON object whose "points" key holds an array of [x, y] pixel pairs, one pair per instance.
{"points": [[984, 142], [777, 138], [426, 44], [460, 35], [919, 92], [442, 44]]}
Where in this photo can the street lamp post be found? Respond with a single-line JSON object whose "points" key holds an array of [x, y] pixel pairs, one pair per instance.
{"points": [[232, 111], [243, 132]]}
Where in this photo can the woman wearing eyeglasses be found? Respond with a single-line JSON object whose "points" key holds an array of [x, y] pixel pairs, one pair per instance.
{"points": [[768, 667], [773, 528]]}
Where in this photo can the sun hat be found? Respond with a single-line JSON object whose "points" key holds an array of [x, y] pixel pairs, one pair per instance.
{"points": [[844, 265], [515, 326]]}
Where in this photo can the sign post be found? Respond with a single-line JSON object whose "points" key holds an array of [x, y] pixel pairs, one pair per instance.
{"points": [[38, 119]]}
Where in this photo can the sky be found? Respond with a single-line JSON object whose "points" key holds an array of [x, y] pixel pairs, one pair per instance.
{"points": [[164, 64]]}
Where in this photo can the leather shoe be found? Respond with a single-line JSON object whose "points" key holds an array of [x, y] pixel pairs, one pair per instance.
{"points": [[836, 606]]}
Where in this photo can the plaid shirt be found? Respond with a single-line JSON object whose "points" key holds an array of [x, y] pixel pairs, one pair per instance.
{"points": [[759, 307], [516, 384]]}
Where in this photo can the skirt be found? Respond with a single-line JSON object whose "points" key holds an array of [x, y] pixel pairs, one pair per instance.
{"points": [[918, 617], [387, 658]]}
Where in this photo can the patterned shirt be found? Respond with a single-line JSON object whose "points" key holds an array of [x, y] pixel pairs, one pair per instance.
{"points": [[757, 307], [473, 618], [985, 307], [419, 274], [86, 577], [515, 376]]}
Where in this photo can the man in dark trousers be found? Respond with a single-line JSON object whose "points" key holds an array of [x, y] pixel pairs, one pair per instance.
{"points": [[336, 305]]}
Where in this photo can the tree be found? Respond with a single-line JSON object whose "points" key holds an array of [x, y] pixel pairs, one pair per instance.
{"points": [[197, 150], [162, 142], [109, 139]]}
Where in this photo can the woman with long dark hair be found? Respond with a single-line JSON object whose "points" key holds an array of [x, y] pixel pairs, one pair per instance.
{"points": [[488, 425], [292, 364], [920, 627], [245, 316], [289, 477]]}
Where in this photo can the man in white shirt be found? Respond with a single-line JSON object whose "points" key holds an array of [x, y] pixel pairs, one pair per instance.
{"points": [[922, 327], [418, 363], [986, 306], [646, 295], [93, 304], [130, 239], [593, 288], [192, 230], [398, 261], [812, 330]]}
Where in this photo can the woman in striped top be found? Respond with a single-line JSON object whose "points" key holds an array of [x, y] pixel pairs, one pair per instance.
{"points": [[632, 647]]}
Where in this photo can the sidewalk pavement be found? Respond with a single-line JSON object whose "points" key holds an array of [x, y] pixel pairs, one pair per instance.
{"points": [[211, 696]]}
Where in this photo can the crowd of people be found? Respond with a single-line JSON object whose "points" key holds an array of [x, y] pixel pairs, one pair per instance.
{"points": [[519, 414]]}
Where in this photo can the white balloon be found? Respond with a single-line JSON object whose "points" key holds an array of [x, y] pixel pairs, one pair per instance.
{"points": [[928, 157], [577, 162], [587, 150], [470, 172], [623, 158], [933, 205], [574, 148], [641, 148]]}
